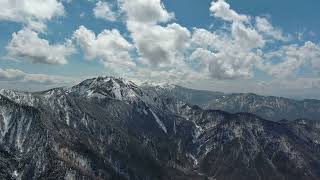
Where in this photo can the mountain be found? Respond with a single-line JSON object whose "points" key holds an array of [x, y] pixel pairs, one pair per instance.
{"points": [[268, 107], [192, 96], [110, 128], [244, 146]]}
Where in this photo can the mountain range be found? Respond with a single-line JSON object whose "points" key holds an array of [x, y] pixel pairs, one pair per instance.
{"points": [[111, 128], [268, 107]]}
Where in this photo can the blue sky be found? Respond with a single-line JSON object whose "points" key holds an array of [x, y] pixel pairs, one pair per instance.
{"points": [[291, 15], [267, 47]]}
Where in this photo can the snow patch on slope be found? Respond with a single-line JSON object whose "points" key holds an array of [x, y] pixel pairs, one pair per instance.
{"points": [[5, 117], [160, 123]]}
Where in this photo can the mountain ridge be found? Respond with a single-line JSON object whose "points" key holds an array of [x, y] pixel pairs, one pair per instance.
{"points": [[269, 107], [107, 128]]}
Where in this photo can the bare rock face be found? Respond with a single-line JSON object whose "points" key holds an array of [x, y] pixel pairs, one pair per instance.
{"points": [[110, 128]]}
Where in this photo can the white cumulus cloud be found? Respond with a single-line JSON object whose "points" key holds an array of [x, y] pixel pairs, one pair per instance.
{"points": [[145, 11], [227, 55], [247, 37], [159, 45], [27, 45], [109, 46], [11, 74], [30, 11], [17, 75], [226, 65], [222, 10], [291, 58], [263, 25], [103, 10]]}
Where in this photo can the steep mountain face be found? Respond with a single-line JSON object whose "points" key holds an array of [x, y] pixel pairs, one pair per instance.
{"points": [[102, 128], [268, 107], [244, 146], [110, 128]]}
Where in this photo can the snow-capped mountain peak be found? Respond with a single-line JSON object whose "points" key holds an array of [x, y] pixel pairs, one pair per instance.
{"points": [[107, 87]]}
